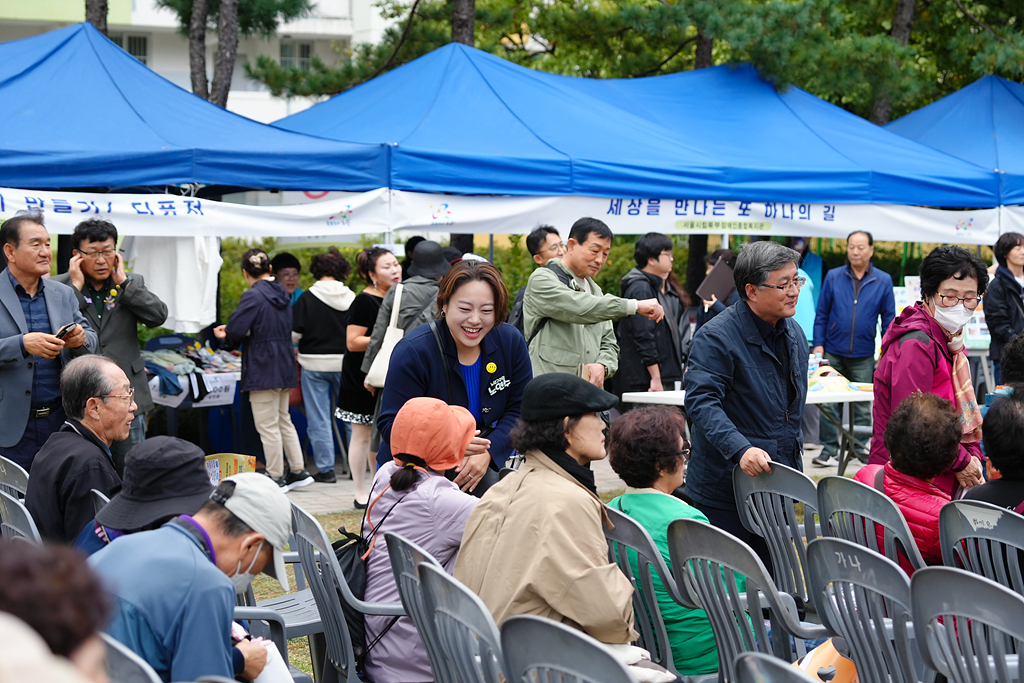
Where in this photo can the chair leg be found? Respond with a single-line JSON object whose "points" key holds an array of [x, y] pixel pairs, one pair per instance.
{"points": [[322, 669]]}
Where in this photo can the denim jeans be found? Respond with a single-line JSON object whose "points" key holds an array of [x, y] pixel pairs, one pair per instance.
{"points": [[318, 388], [855, 370]]}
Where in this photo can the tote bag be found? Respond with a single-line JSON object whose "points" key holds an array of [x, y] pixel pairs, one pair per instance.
{"points": [[392, 335]]}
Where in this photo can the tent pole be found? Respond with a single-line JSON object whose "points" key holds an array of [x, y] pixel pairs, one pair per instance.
{"points": [[903, 261], [725, 240]]}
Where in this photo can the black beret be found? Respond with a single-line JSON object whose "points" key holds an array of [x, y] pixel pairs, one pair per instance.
{"points": [[559, 394]]}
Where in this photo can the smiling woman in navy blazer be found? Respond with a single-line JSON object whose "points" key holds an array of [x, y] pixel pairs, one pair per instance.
{"points": [[484, 367]]}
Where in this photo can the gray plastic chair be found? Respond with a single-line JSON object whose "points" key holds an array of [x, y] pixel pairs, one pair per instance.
{"points": [[539, 650], [124, 666], [754, 667], [465, 629], [275, 631], [981, 632], [329, 588], [406, 556], [646, 613], [13, 478], [984, 539], [705, 561], [766, 507], [865, 599], [99, 500], [15, 520], [847, 509]]}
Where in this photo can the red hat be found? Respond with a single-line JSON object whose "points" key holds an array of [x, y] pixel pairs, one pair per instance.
{"points": [[433, 431]]}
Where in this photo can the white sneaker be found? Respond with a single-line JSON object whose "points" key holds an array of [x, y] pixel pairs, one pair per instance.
{"points": [[826, 460]]}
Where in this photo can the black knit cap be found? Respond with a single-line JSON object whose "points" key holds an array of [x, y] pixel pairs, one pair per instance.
{"points": [[285, 260], [559, 394]]}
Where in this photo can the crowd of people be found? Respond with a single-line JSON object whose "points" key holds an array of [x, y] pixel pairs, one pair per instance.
{"points": [[476, 439]]}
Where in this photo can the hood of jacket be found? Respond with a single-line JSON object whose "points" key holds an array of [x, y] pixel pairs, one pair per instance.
{"points": [[914, 318], [637, 274], [273, 291], [335, 294], [1004, 272]]}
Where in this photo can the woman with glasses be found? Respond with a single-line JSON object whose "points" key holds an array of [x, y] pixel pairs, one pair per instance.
{"points": [[648, 452], [923, 350]]}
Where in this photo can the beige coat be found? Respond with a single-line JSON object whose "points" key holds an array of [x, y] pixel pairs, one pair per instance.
{"points": [[535, 545]]}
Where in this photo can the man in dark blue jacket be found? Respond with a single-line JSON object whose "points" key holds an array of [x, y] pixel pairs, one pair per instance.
{"points": [[1004, 298], [852, 300], [746, 385]]}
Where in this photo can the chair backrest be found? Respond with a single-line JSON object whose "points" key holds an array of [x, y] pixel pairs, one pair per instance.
{"points": [[766, 507], [15, 520], [329, 588], [540, 650], [754, 667], [13, 478], [858, 513], [406, 556], [968, 628], [864, 598], [649, 563], [705, 561], [124, 666], [984, 539], [465, 629], [99, 500]]}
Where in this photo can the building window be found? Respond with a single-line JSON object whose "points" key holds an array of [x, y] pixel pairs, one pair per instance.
{"points": [[136, 46], [296, 55]]}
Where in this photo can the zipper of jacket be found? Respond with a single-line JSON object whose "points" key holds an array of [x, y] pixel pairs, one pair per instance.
{"points": [[853, 324]]}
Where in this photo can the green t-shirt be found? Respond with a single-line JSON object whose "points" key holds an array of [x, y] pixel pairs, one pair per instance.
{"points": [[689, 631]]}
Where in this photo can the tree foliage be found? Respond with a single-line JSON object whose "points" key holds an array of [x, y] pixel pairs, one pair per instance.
{"points": [[255, 17]]}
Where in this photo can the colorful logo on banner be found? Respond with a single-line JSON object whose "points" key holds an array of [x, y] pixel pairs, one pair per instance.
{"points": [[964, 224], [441, 214], [342, 217]]}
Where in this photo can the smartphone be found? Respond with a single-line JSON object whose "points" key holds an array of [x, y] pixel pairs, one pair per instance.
{"points": [[63, 332]]}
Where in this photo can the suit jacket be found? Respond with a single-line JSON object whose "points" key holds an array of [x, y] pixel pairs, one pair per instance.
{"points": [[118, 330], [15, 366]]}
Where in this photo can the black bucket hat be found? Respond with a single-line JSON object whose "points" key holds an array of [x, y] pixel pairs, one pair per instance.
{"points": [[428, 260], [163, 477]]}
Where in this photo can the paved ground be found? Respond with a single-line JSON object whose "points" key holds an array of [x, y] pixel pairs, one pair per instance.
{"points": [[339, 497]]}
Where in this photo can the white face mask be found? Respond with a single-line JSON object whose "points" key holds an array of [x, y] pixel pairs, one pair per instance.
{"points": [[240, 579], [953, 318]]}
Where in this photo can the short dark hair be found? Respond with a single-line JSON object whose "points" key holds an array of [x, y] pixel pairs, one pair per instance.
{"points": [[950, 261], [464, 272], [55, 591], [81, 379], [256, 262], [581, 230], [10, 230], [644, 442], [528, 436], [366, 261], [923, 435], [93, 230], [231, 525], [1005, 244], [758, 260], [537, 237], [1004, 433], [650, 246], [1011, 361], [285, 260], [871, 240], [330, 264], [728, 254]]}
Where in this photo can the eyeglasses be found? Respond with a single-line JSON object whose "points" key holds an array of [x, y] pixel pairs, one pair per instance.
{"points": [[970, 302], [130, 396], [671, 256], [106, 253], [798, 283], [685, 450], [555, 247]]}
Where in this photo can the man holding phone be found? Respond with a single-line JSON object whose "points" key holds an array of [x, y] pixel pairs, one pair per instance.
{"points": [[114, 302], [32, 312]]}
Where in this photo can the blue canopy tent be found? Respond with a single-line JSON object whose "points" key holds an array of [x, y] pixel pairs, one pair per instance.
{"points": [[982, 123], [78, 111], [463, 121]]}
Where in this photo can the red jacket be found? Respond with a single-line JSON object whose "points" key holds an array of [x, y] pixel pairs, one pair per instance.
{"points": [[919, 501]]}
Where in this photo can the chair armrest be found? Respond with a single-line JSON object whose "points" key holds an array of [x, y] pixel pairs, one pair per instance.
{"points": [[291, 557], [393, 609], [274, 620]]}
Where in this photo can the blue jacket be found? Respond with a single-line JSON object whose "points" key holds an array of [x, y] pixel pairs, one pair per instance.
{"points": [[416, 370], [736, 398], [845, 325], [263, 322]]}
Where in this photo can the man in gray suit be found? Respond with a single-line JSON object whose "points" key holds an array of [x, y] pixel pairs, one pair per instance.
{"points": [[114, 302], [36, 339]]}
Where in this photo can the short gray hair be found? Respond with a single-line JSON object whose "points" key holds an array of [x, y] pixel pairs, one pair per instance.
{"points": [[82, 379], [756, 262]]}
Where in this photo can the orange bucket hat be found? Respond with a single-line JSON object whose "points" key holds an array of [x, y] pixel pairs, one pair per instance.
{"points": [[433, 431]]}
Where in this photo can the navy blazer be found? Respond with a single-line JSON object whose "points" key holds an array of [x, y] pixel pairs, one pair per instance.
{"points": [[416, 370], [15, 365]]}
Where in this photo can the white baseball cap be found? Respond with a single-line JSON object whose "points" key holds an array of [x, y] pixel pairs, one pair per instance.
{"points": [[261, 504]]}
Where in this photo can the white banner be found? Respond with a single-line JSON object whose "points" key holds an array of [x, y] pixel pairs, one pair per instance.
{"points": [[332, 216]]}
